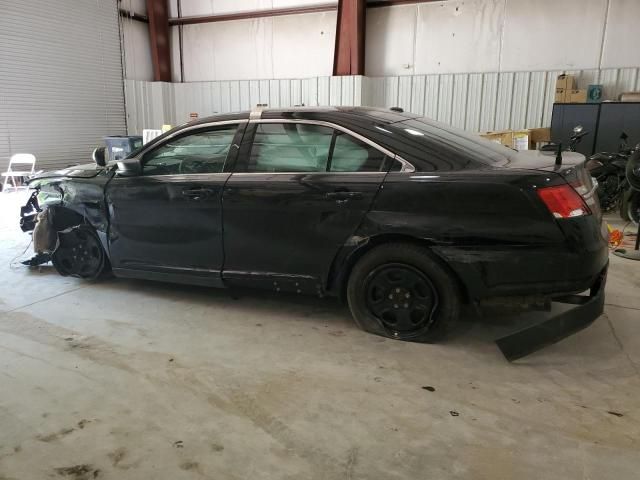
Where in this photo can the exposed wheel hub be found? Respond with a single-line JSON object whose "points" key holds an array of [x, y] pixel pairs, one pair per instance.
{"points": [[79, 253], [401, 297]]}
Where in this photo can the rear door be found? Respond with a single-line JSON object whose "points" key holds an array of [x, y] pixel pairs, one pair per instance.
{"points": [[298, 192]]}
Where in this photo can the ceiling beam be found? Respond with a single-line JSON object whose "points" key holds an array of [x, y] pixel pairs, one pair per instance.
{"points": [[158, 14], [391, 3], [274, 12], [348, 58], [277, 12]]}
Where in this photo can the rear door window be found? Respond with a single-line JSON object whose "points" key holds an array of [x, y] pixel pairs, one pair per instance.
{"points": [[290, 147]]}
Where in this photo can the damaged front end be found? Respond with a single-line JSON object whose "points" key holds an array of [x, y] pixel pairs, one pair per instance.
{"points": [[68, 220]]}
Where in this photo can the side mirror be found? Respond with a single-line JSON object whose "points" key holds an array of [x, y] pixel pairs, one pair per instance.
{"points": [[129, 167], [99, 156]]}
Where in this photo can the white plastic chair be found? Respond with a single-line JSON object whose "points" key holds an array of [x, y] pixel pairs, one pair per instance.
{"points": [[21, 159]]}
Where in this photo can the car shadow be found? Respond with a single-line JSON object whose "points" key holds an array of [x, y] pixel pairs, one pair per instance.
{"points": [[473, 330]]}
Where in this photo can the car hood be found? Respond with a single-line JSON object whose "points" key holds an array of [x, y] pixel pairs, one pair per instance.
{"points": [[87, 170]]}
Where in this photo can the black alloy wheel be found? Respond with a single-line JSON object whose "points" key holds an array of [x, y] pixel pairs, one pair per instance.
{"points": [[405, 292], [401, 297], [79, 253]]}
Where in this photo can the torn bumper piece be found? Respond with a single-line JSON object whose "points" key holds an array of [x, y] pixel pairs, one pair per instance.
{"points": [[552, 330]]}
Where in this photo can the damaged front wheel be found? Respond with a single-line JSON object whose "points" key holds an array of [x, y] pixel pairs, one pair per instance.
{"points": [[79, 253]]}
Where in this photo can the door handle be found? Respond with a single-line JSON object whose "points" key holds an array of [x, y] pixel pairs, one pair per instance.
{"points": [[343, 196], [196, 193]]}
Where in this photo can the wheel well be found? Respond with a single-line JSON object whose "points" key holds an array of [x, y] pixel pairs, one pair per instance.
{"points": [[340, 279], [64, 218]]}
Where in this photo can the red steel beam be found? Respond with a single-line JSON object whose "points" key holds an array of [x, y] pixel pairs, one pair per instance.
{"points": [[158, 14], [348, 58]]}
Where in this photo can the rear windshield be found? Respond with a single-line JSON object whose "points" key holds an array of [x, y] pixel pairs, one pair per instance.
{"points": [[441, 147]]}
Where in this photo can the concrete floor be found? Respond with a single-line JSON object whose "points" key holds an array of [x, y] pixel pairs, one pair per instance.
{"points": [[133, 380]]}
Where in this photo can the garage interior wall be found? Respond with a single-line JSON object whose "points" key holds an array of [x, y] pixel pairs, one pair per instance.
{"points": [[60, 79], [477, 64], [477, 102], [475, 36]]}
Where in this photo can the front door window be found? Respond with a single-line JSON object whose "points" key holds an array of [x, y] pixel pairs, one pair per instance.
{"points": [[200, 152]]}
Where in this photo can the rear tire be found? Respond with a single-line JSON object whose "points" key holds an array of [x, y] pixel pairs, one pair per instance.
{"points": [[402, 291]]}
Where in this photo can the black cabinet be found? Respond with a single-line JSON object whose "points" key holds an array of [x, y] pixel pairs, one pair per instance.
{"points": [[616, 118], [604, 121], [567, 115]]}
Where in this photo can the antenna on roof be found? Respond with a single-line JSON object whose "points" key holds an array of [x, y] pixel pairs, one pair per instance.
{"points": [[396, 109]]}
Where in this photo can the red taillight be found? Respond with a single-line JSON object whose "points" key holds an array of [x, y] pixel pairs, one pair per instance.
{"points": [[563, 201]]}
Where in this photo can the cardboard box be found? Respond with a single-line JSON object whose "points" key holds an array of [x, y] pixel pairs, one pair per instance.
{"points": [[537, 136], [503, 138], [517, 139], [520, 140], [567, 82], [576, 96], [561, 95]]}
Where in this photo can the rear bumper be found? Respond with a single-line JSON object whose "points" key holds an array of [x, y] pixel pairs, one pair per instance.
{"points": [[586, 309]]}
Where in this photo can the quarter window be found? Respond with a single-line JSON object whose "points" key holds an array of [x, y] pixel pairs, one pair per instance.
{"points": [[290, 147], [351, 155], [200, 152]]}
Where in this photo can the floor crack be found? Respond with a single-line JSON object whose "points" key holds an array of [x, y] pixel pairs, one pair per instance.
{"points": [[621, 306], [621, 346], [44, 299]]}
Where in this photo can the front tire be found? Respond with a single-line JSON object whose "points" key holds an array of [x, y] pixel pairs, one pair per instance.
{"points": [[79, 253], [402, 291]]}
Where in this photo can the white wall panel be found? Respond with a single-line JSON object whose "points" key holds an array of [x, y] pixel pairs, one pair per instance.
{"points": [[264, 48], [549, 34], [137, 50], [228, 50], [303, 45], [458, 36], [390, 37], [622, 35], [462, 36]]}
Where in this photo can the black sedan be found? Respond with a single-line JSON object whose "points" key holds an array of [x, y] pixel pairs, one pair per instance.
{"points": [[404, 217]]}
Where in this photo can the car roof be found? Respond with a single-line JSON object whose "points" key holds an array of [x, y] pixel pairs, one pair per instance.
{"points": [[428, 144], [364, 115]]}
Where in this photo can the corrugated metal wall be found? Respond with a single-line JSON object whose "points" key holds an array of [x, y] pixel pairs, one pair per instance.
{"points": [[152, 104], [474, 101], [60, 79], [482, 102]]}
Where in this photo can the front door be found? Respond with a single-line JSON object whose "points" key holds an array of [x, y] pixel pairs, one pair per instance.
{"points": [[298, 192], [166, 224]]}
